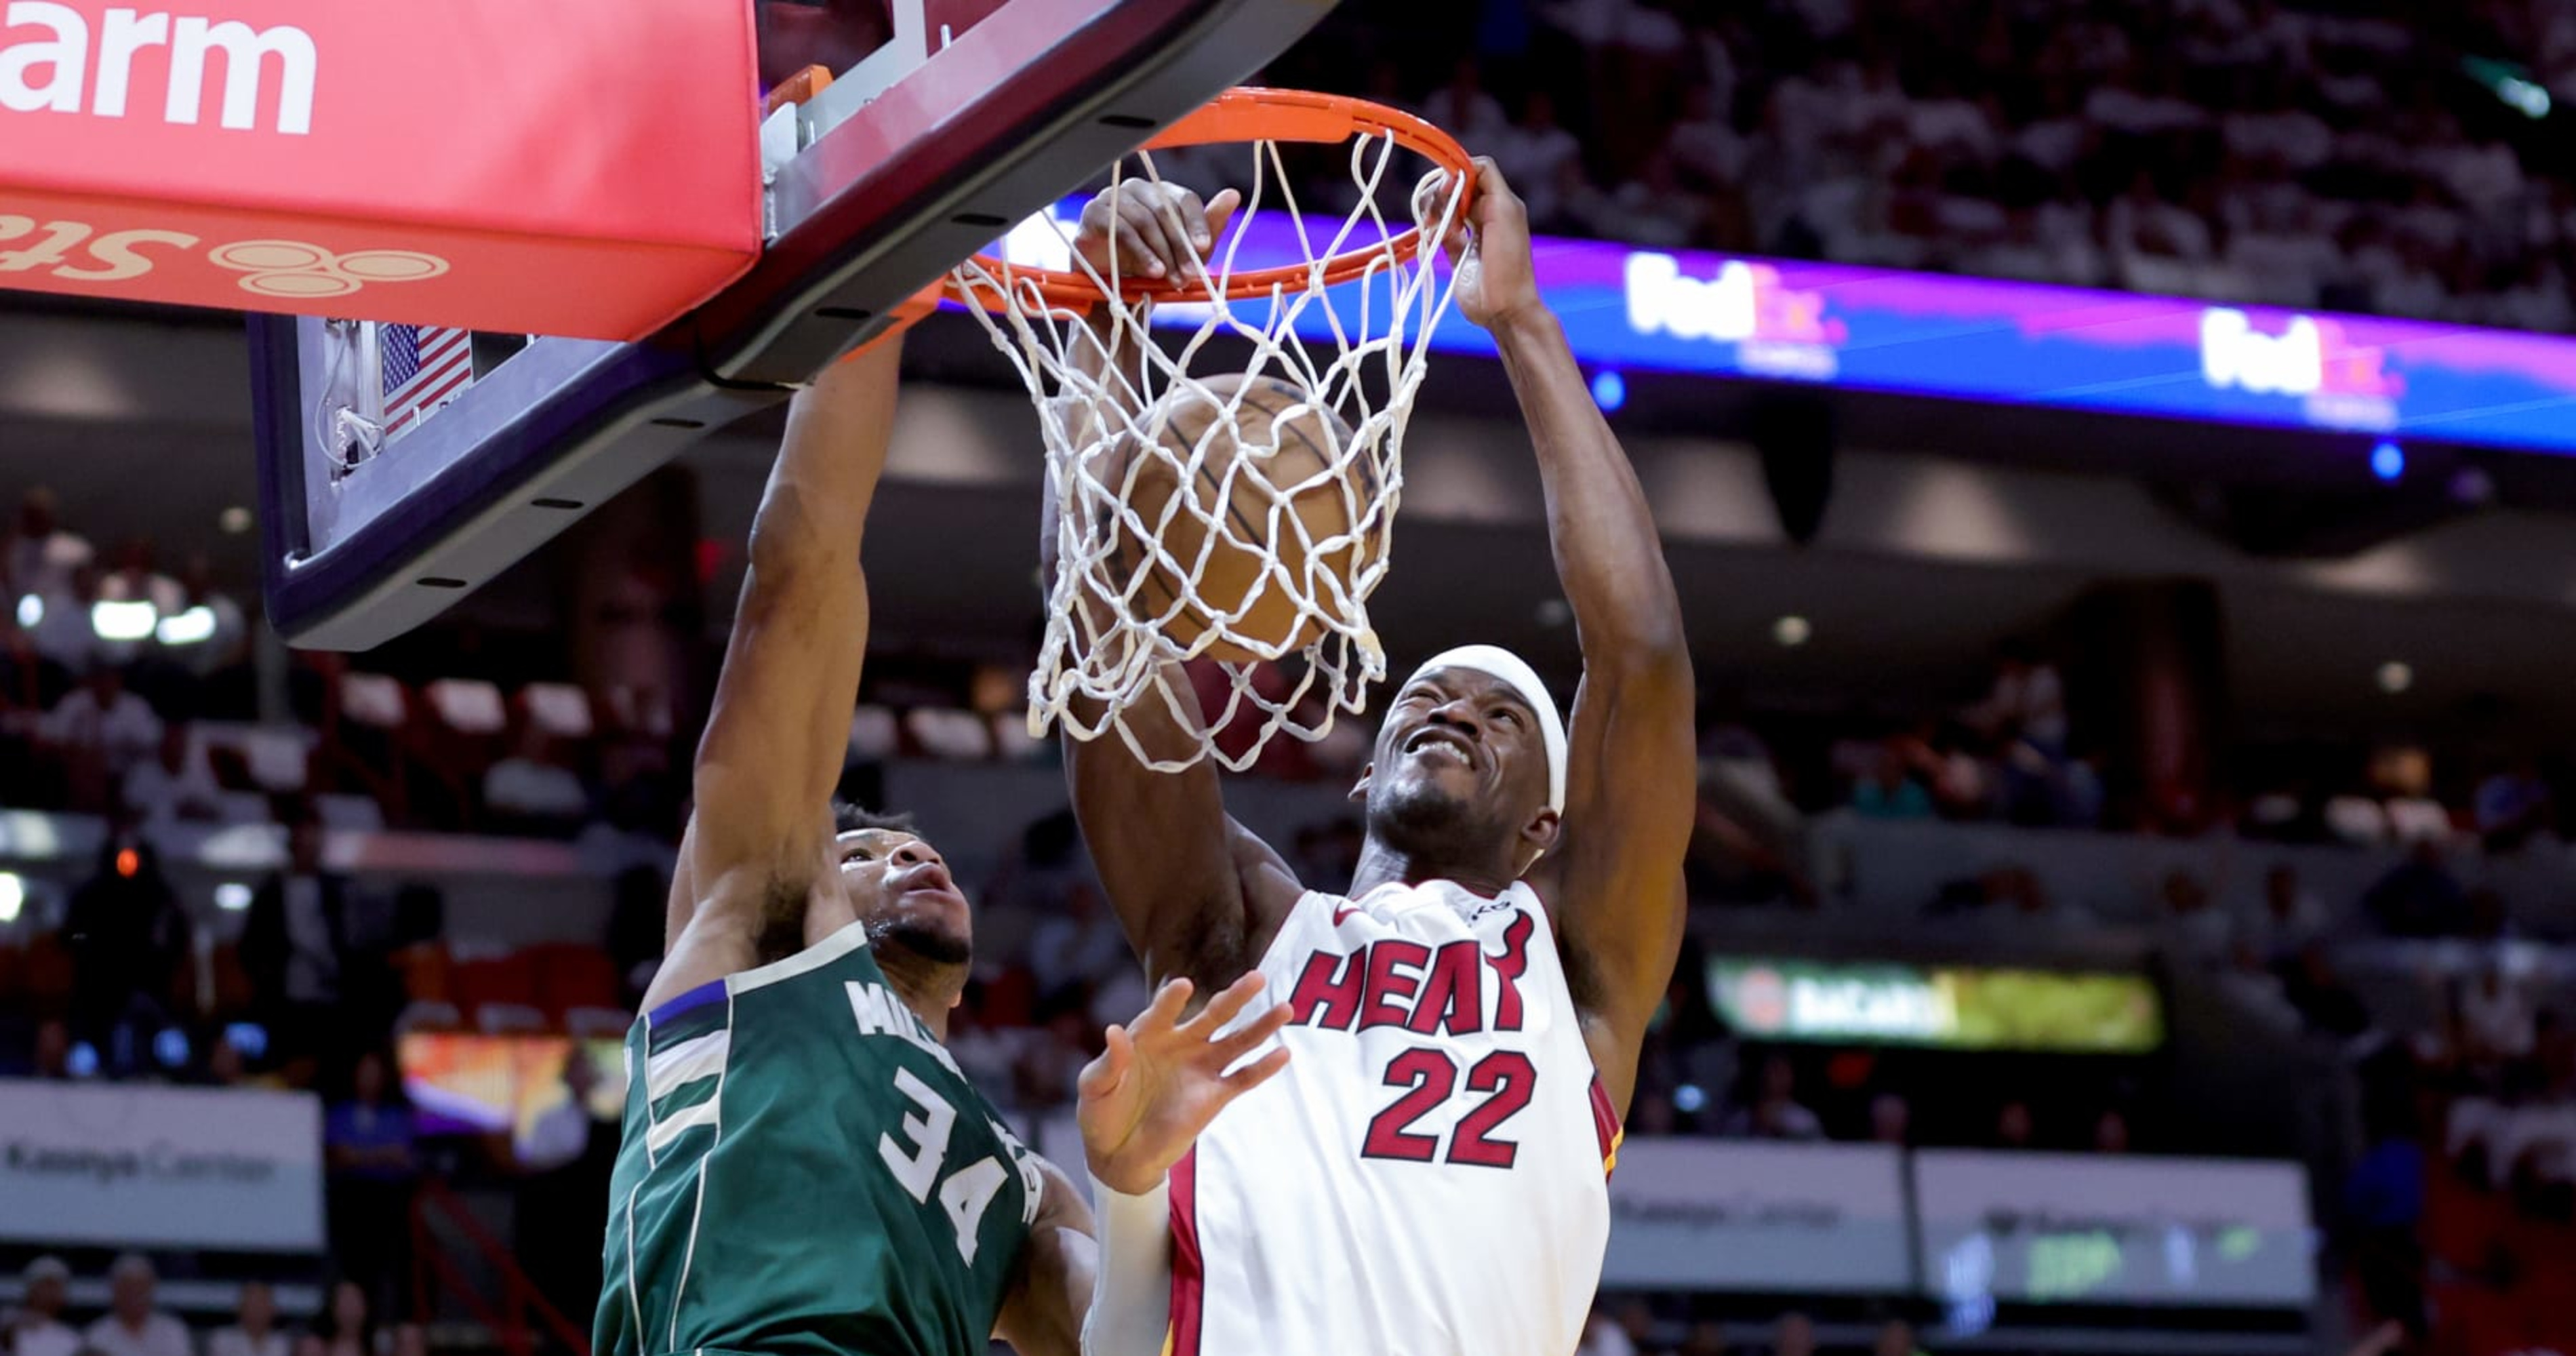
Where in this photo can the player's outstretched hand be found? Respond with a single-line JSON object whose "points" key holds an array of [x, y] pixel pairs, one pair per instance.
{"points": [[1152, 229], [1162, 1080], [1490, 249]]}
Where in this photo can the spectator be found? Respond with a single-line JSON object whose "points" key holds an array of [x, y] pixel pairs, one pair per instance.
{"points": [[2512, 806], [1464, 108], [226, 1068], [2328, 1005], [368, 1143], [2418, 897], [102, 732], [2291, 918], [2014, 1127], [2110, 1132], [1895, 1338], [565, 1160], [1080, 945], [177, 783], [2496, 1019], [1776, 1112], [2194, 928], [42, 556], [132, 1326], [53, 1050], [348, 1327], [295, 940], [1891, 1120], [1889, 792], [208, 634], [254, 1330], [61, 630], [37, 1327], [126, 933], [1536, 153], [1794, 1334], [1602, 1336]]}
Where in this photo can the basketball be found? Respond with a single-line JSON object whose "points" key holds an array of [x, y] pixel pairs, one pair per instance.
{"points": [[1265, 506]]}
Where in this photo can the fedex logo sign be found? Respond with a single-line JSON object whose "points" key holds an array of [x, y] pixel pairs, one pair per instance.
{"points": [[2339, 384], [2235, 354], [51, 61]]}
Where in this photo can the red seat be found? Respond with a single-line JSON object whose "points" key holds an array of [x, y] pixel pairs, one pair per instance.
{"points": [[570, 975], [500, 980], [2462, 1223], [2472, 1320]]}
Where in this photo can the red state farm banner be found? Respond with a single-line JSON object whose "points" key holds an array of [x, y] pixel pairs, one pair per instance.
{"points": [[575, 167]]}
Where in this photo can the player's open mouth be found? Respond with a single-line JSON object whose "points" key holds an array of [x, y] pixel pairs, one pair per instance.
{"points": [[1422, 742]]}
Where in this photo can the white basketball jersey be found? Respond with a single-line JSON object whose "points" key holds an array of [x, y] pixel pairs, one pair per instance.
{"points": [[1428, 1176]]}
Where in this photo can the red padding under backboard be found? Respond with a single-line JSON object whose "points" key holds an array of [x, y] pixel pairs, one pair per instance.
{"points": [[587, 168]]}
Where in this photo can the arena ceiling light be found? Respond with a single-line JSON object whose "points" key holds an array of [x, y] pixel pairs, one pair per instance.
{"points": [[192, 627], [128, 620], [13, 896], [2395, 677], [1791, 631]]}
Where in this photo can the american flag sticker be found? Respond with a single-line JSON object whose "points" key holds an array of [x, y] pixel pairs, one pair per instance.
{"points": [[424, 367]]}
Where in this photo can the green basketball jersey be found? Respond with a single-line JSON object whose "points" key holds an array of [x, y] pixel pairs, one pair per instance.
{"points": [[804, 1172]]}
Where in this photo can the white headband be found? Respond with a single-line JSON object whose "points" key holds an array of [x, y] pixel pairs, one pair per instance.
{"points": [[1497, 662]]}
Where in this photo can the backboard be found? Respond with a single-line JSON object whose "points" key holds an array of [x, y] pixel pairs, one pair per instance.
{"points": [[401, 468]]}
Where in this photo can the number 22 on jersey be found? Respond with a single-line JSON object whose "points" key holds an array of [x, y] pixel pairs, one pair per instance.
{"points": [[1429, 1076]]}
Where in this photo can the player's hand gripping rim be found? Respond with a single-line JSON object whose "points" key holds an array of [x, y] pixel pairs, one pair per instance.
{"points": [[1153, 230], [1163, 1079]]}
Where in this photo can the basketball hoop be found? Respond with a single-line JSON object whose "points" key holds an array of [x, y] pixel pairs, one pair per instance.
{"points": [[1345, 323]]}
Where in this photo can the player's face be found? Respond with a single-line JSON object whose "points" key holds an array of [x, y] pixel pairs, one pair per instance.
{"points": [[1460, 765], [902, 890]]}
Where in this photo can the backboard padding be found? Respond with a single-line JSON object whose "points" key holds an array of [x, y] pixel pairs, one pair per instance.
{"points": [[995, 123]]}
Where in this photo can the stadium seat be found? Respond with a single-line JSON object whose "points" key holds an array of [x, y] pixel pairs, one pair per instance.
{"points": [[875, 735], [502, 981], [503, 1019], [2357, 819], [374, 700], [2461, 1222], [1012, 740], [468, 706], [598, 1023], [356, 814], [559, 709], [422, 1015], [948, 734], [571, 975], [2473, 1319]]}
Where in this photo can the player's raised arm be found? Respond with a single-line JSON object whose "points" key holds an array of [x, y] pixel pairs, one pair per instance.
{"points": [[1194, 891], [1614, 880], [773, 746]]}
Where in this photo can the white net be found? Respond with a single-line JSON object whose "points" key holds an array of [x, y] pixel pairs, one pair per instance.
{"points": [[1292, 460]]}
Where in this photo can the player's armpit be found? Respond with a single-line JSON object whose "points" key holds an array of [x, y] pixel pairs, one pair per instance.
{"points": [[1044, 1313]]}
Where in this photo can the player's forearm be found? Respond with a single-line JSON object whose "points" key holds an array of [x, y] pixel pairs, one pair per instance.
{"points": [[775, 736], [1609, 556], [838, 432], [1131, 1294]]}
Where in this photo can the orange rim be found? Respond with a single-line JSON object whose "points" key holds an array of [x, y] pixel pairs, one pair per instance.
{"points": [[1247, 115]]}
